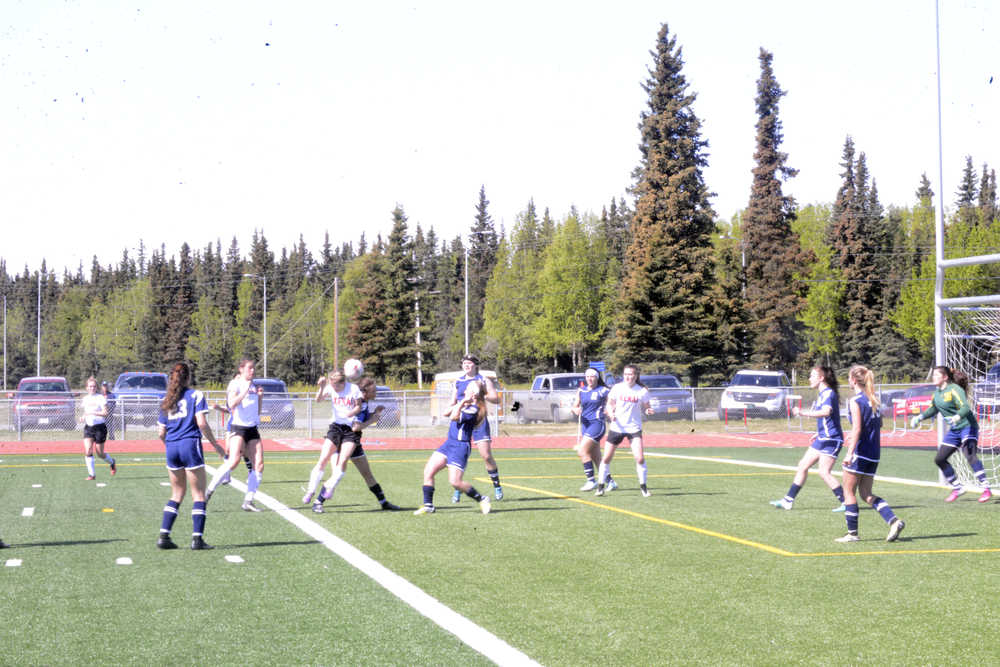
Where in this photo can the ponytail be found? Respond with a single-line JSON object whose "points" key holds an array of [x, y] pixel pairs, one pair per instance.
{"points": [[865, 379]]}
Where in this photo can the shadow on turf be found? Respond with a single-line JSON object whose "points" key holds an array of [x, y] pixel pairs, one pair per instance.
{"points": [[941, 536], [249, 545], [64, 543]]}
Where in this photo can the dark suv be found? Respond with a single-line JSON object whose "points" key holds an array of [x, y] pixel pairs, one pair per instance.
{"points": [[276, 407], [138, 396], [44, 402]]}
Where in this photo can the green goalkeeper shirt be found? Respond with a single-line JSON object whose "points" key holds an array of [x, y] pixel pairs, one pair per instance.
{"points": [[951, 401]]}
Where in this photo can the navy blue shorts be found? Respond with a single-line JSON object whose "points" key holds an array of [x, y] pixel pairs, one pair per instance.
{"points": [[593, 429], [827, 447], [456, 453], [482, 432], [968, 436], [98, 433], [185, 453], [862, 467], [248, 433]]}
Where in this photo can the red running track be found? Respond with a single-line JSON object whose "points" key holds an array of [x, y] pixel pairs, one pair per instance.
{"points": [[374, 443]]}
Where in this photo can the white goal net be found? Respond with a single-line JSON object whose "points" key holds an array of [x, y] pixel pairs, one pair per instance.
{"points": [[972, 345]]}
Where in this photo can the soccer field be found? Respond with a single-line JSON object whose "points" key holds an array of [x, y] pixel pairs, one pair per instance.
{"points": [[703, 571]]}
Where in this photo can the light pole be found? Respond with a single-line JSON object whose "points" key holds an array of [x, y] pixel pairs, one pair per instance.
{"points": [[264, 280]]}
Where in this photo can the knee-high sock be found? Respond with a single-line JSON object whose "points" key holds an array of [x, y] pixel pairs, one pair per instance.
{"points": [[220, 474], [253, 483], [198, 518], [169, 516], [851, 516], [315, 477], [334, 480], [602, 473], [89, 460], [640, 470]]}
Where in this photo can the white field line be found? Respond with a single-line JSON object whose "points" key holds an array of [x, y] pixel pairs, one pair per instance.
{"points": [[474, 636], [775, 466]]}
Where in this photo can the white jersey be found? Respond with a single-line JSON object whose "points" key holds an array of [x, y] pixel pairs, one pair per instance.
{"points": [[343, 402], [92, 405], [246, 412], [629, 404]]}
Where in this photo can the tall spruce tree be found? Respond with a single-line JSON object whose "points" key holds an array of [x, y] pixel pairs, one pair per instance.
{"points": [[666, 313], [967, 195], [483, 244], [775, 294], [399, 298]]}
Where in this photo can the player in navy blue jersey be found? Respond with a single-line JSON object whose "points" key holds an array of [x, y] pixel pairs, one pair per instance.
{"points": [[481, 438], [825, 444], [465, 416], [951, 400], [182, 425], [589, 405], [862, 449]]}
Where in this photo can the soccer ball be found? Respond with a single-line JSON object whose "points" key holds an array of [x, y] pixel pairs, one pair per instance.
{"points": [[353, 369]]}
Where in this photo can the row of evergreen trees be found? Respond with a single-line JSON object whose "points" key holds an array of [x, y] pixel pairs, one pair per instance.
{"points": [[664, 283]]}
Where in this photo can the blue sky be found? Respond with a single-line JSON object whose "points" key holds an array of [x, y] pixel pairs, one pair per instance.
{"points": [[192, 121]]}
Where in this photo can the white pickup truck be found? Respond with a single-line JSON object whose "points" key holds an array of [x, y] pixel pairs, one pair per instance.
{"points": [[550, 398]]}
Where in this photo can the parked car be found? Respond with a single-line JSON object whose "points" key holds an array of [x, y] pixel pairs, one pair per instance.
{"points": [[138, 396], [914, 401], [550, 398], [759, 393], [276, 407], [667, 398], [391, 414], [44, 402]]}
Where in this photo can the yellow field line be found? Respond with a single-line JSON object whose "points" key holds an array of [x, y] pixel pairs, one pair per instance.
{"points": [[739, 540]]}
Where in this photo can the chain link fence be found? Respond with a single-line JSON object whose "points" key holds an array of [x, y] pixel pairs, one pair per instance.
{"points": [[415, 414]]}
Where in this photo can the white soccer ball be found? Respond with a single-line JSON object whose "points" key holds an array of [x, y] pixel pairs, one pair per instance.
{"points": [[353, 369]]}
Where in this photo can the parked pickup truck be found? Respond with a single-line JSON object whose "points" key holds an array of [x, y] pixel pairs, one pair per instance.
{"points": [[550, 398]]}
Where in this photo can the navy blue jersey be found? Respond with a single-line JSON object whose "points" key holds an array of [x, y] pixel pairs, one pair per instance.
{"points": [[869, 444], [180, 422], [828, 428], [463, 382], [592, 403], [461, 430]]}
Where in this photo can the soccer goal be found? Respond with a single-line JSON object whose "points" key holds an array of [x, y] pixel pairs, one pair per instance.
{"points": [[971, 338]]}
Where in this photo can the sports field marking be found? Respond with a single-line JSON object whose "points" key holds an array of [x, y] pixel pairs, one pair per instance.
{"points": [[13, 562], [28, 511], [234, 559], [124, 560], [739, 540], [36, 486], [477, 638]]}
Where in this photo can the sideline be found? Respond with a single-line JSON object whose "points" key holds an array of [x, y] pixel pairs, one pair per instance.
{"points": [[472, 635]]}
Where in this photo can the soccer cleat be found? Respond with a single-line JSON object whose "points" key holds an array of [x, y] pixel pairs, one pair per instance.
{"points": [[498, 492], [987, 494], [2, 545], [199, 544], [164, 542], [248, 506], [317, 507], [456, 496], [114, 467], [783, 504], [389, 507], [841, 508], [850, 537], [600, 490], [612, 484], [227, 478], [306, 499], [484, 505], [424, 509], [895, 528], [589, 486], [89, 478], [955, 493], [645, 492]]}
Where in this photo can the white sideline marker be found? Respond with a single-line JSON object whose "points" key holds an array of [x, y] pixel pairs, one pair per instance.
{"points": [[234, 559], [100, 484], [36, 486], [13, 562], [124, 560], [475, 637], [164, 483], [28, 511]]}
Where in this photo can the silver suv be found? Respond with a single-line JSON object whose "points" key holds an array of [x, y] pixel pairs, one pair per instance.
{"points": [[755, 394]]}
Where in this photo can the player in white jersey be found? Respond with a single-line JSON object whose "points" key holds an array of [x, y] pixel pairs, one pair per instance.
{"points": [[243, 398], [350, 416], [95, 431], [627, 402]]}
